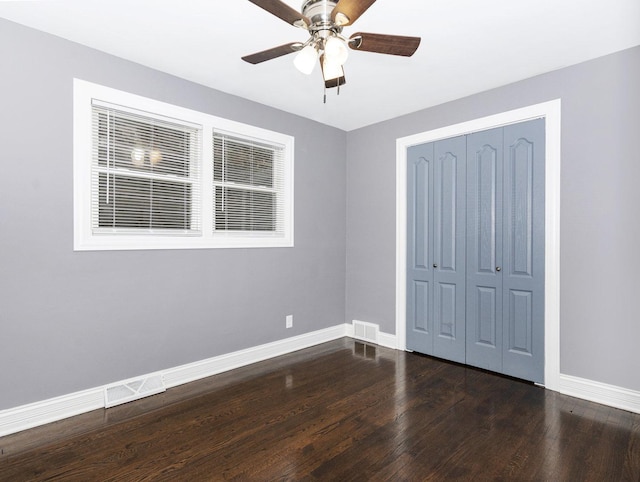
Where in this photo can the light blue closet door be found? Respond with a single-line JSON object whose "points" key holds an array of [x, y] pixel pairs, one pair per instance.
{"points": [[505, 250], [475, 252], [436, 249]]}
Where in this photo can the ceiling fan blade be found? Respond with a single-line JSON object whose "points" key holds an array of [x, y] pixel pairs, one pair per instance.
{"points": [[348, 11], [384, 44], [283, 11], [272, 53]]}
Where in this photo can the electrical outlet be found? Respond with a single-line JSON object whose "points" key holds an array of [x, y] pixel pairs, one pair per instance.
{"points": [[289, 321]]}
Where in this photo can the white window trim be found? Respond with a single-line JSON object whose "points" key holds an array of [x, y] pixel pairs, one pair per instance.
{"points": [[84, 239]]}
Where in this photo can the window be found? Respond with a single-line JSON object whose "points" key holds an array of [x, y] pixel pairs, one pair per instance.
{"points": [[144, 173], [149, 175], [245, 177]]}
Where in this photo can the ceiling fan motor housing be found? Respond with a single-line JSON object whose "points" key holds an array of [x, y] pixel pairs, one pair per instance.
{"points": [[319, 14]]}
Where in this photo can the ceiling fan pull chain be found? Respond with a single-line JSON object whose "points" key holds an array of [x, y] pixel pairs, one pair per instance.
{"points": [[325, 95]]}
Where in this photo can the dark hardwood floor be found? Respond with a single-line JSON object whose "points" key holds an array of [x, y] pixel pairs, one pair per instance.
{"points": [[339, 411]]}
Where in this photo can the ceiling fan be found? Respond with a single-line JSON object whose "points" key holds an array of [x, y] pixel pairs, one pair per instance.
{"points": [[324, 20]]}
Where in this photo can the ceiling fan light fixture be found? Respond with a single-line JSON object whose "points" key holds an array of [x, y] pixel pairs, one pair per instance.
{"points": [[306, 59], [336, 50], [324, 21]]}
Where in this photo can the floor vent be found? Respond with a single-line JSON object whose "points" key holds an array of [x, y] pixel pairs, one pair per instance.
{"points": [[133, 390], [365, 331]]}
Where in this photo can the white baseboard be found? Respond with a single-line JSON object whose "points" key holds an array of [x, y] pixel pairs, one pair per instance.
{"points": [[387, 340], [39, 413], [603, 393], [212, 366]]}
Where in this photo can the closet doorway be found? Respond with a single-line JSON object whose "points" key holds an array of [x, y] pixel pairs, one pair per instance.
{"points": [[550, 111], [475, 249]]}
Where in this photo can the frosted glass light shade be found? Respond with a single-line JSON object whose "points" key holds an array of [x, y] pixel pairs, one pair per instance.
{"points": [[336, 50], [306, 59]]}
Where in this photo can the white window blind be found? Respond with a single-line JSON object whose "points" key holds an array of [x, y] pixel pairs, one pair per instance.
{"points": [[145, 175], [248, 179]]}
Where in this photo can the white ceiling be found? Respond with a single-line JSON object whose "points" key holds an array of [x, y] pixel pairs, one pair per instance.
{"points": [[468, 46]]}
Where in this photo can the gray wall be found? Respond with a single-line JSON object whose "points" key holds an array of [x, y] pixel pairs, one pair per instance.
{"points": [[600, 202], [76, 320], [159, 309]]}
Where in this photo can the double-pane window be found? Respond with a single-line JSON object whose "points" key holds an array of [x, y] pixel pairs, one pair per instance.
{"points": [[149, 175]]}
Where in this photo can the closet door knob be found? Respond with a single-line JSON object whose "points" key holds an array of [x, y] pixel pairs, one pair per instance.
{"points": [[435, 265], [498, 269]]}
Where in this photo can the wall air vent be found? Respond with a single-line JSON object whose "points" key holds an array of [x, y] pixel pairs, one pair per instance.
{"points": [[365, 331], [133, 390]]}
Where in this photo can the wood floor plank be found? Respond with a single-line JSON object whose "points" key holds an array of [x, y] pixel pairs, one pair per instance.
{"points": [[339, 411]]}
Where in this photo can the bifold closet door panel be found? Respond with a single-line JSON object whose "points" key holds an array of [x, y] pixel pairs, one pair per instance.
{"points": [[420, 248], [523, 265], [449, 246], [484, 249]]}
